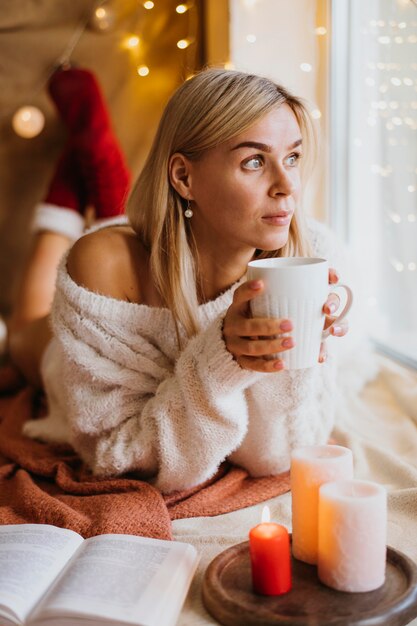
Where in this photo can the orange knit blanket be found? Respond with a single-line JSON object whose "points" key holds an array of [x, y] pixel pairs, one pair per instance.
{"points": [[48, 484]]}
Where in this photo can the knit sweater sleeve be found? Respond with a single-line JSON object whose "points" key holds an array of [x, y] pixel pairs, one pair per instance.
{"points": [[132, 409], [200, 412]]}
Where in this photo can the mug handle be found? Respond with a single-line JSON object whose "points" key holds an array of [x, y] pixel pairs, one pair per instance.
{"points": [[345, 310]]}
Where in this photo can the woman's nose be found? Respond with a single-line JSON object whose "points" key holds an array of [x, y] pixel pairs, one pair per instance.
{"points": [[282, 183]]}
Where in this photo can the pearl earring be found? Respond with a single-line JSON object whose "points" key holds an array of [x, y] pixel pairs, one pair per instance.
{"points": [[188, 213]]}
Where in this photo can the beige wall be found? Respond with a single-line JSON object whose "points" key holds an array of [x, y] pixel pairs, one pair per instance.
{"points": [[33, 35]]}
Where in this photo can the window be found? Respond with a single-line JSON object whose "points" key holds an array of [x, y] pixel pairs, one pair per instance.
{"points": [[374, 159]]}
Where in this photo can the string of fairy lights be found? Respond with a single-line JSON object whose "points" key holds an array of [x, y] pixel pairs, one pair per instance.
{"points": [[28, 120], [392, 81]]}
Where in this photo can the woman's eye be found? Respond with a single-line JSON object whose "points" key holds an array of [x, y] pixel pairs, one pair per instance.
{"points": [[254, 163], [293, 158]]}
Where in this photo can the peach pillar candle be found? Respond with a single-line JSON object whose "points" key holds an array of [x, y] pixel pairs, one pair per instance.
{"points": [[352, 535], [311, 467]]}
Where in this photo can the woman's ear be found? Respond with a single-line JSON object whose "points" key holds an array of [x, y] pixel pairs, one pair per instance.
{"points": [[179, 175]]}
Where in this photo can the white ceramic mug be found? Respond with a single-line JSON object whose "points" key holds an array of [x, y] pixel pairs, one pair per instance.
{"points": [[296, 288]]}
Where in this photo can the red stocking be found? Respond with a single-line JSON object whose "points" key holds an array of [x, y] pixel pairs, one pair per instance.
{"points": [[92, 144], [67, 188], [62, 210]]}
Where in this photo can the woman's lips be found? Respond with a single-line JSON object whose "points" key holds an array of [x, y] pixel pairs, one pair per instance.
{"points": [[280, 219]]}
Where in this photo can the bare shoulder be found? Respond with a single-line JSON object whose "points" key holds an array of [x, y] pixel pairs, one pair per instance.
{"points": [[110, 262]]}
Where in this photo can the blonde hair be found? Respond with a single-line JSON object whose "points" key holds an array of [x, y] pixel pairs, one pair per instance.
{"points": [[208, 109]]}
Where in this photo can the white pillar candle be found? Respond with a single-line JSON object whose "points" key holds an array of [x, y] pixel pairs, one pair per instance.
{"points": [[352, 535], [311, 466]]}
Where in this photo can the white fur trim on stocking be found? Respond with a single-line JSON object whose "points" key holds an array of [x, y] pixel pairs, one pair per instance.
{"points": [[59, 220]]}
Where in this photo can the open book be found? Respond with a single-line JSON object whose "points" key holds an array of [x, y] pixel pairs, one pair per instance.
{"points": [[51, 575]]}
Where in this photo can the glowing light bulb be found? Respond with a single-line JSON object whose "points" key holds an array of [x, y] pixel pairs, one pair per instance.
{"points": [[321, 30], [131, 42], [251, 38], [143, 70], [28, 122], [316, 114], [148, 5], [306, 67], [183, 43], [395, 81], [102, 19], [181, 8]]}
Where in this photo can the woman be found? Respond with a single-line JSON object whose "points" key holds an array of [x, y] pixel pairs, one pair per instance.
{"points": [[156, 364]]}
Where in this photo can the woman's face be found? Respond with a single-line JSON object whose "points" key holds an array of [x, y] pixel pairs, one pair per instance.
{"points": [[245, 190]]}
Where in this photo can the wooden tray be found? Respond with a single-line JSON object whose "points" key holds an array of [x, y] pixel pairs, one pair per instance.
{"points": [[228, 596]]}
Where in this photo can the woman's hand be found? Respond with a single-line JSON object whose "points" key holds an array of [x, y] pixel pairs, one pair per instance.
{"points": [[252, 340], [331, 305]]}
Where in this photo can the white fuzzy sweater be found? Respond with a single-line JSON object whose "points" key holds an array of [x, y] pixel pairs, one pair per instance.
{"points": [[135, 403]]}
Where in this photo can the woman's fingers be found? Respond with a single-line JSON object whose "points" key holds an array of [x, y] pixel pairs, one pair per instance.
{"points": [[255, 327], [332, 304], [260, 365], [323, 352], [252, 340], [333, 276], [243, 346], [245, 293], [336, 328], [339, 329]]}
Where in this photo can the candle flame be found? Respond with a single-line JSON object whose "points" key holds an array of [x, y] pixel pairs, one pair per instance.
{"points": [[266, 514]]}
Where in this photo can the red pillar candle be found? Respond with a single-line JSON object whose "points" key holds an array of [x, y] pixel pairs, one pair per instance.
{"points": [[269, 546]]}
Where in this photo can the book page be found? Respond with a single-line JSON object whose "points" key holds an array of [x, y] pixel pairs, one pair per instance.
{"points": [[119, 577], [31, 557]]}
